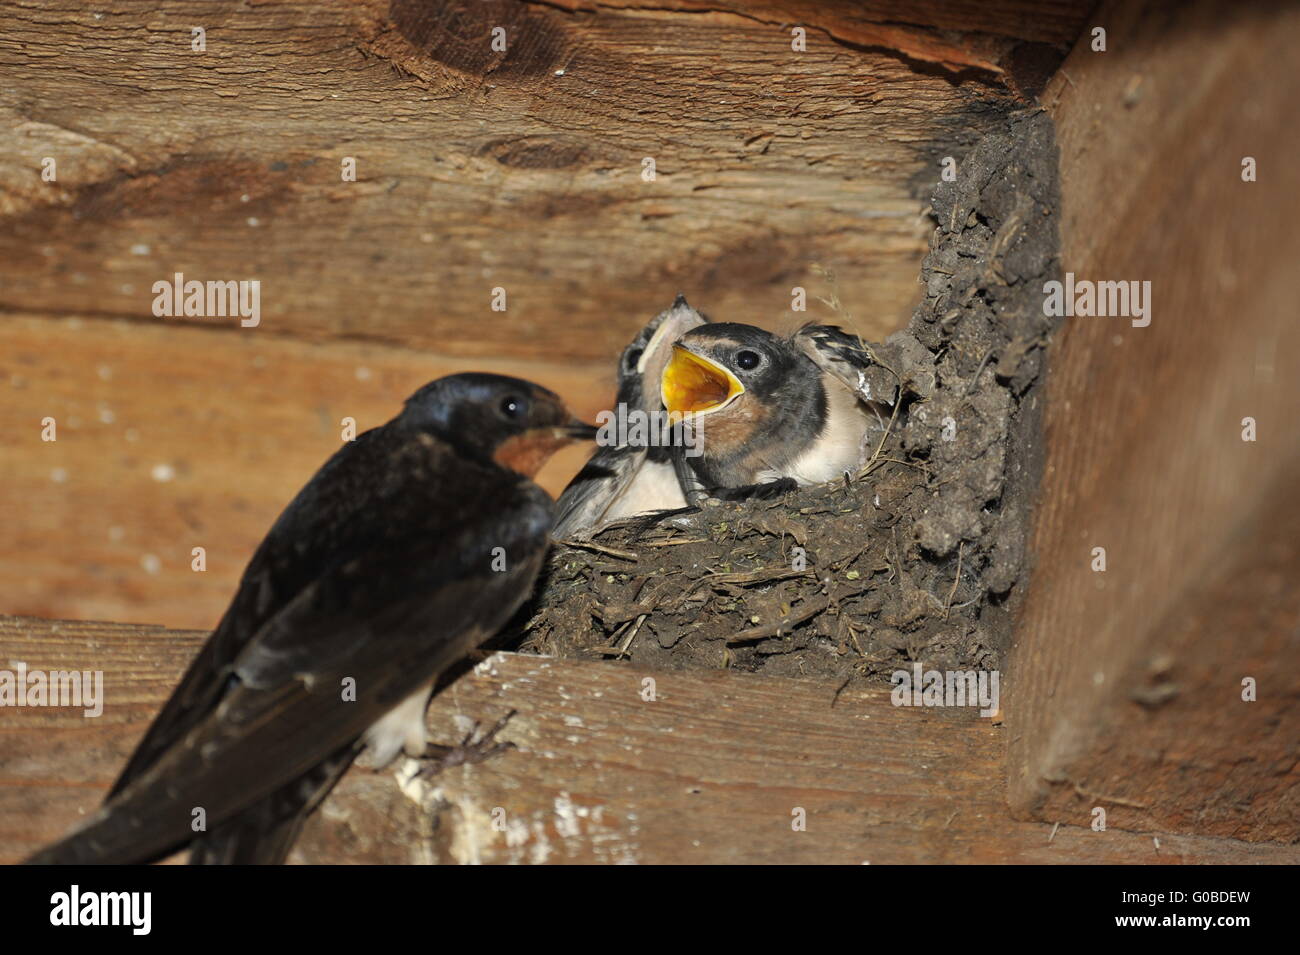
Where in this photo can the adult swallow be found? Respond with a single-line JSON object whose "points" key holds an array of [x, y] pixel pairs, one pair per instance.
{"points": [[773, 413], [622, 479], [409, 547]]}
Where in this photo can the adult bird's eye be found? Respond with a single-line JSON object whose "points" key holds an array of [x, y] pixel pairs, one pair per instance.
{"points": [[747, 360], [513, 406]]}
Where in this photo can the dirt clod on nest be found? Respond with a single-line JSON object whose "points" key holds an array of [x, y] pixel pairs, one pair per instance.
{"points": [[915, 559]]}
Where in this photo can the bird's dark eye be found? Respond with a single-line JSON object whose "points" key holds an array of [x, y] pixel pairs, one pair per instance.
{"points": [[747, 360], [633, 357], [512, 406]]}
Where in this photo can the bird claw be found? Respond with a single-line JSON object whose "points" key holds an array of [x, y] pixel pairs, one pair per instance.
{"points": [[437, 757]]}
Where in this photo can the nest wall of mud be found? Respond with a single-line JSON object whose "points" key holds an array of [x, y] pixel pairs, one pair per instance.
{"points": [[922, 556]]}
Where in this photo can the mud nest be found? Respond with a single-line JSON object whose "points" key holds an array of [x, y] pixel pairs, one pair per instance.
{"points": [[916, 559]]}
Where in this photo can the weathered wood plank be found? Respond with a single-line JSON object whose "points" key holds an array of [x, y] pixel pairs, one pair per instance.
{"points": [[475, 169], [176, 438], [957, 35], [710, 771], [1125, 687]]}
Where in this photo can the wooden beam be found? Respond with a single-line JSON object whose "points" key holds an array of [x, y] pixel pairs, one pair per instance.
{"points": [[174, 438], [1125, 686], [714, 769], [475, 170], [956, 36]]}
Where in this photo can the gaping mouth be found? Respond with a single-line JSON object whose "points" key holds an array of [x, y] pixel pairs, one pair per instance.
{"points": [[694, 385]]}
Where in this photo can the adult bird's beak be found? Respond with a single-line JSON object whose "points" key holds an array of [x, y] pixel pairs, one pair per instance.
{"points": [[692, 384], [577, 430]]}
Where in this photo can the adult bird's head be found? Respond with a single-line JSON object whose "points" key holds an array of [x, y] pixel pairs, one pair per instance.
{"points": [[513, 422]]}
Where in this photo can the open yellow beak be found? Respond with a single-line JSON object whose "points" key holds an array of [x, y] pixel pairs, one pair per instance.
{"points": [[694, 385]]}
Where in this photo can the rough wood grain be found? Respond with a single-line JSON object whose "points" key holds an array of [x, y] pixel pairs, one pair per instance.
{"points": [[956, 35], [711, 771], [175, 438], [1125, 686], [475, 170]]}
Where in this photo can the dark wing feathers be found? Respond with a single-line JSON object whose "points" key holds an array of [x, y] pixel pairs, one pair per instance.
{"points": [[609, 472], [846, 358], [392, 559], [588, 496], [309, 534], [264, 833]]}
